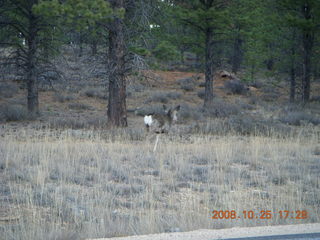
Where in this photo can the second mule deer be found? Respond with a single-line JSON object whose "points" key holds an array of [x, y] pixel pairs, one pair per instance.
{"points": [[159, 122]]}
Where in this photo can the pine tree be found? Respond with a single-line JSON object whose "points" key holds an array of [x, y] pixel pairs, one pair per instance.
{"points": [[22, 19], [208, 18], [37, 22], [127, 27], [303, 16]]}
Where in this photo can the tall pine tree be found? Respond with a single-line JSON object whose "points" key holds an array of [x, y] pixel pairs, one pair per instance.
{"points": [[208, 18]]}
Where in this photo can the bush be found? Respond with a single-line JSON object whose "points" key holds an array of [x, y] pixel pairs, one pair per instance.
{"points": [[187, 84], [201, 93], [174, 95], [132, 134], [188, 112], [79, 106], [257, 84], [95, 92], [163, 97], [253, 100], [158, 97], [78, 123], [220, 108], [235, 87], [145, 110], [317, 151], [13, 113], [245, 125], [315, 99], [242, 125], [298, 118], [188, 80], [245, 106], [66, 123], [8, 90], [270, 93], [58, 97], [270, 96], [135, 88], [188, 87], [202, 84]]}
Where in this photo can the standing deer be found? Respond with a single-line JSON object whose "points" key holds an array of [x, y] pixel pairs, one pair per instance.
{"points": [[159, 122]]}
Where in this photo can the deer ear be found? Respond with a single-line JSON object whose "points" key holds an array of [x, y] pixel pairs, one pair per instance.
{"points": [[178, 107], [164, 107]]}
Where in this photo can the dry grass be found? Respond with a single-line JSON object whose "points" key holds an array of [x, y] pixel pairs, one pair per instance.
{"points": [[67, 184], [59, 183]]}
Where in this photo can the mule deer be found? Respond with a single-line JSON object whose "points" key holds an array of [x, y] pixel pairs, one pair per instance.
{"points": [[159, 122]]}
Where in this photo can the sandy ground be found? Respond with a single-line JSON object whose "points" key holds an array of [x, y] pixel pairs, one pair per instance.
{"points": [[206, 234]]}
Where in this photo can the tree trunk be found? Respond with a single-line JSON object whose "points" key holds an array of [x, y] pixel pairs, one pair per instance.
{"points": [[32, 83], [182, 56], [270, 63], [293, 73], [208, 97], [94, 48], [80, 45], [252, 72], [308, 37], [292, 84], [236, 59], [307, 47], [117, 111]]}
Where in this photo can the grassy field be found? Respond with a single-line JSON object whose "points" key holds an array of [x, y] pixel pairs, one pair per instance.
{"points": [[66, 175], [73, 184]]}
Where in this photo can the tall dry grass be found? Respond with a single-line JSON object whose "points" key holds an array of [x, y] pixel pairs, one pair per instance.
{"points": [[78, 184]]}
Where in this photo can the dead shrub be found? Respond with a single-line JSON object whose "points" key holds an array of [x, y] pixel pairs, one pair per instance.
{"points": [[59, 97], [145, 110], [202, 84], [298, 118], [201, 94], [159, 97], [188, 112], [270, 97], [13, 113], [80, 106], [317, 151], [257, 84], [241, 125], [163, 97], [136, 88], [188, 87], [221, 109], [235, 87], [78, 123], [8, 90], [270, 93], [315, 99], [187, 84], [95, 93]]}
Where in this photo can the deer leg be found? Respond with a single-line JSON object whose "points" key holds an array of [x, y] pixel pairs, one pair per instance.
{"points": [[156, 144]]}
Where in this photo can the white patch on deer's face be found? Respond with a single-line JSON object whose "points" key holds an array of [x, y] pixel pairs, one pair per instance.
{"points": [[148, 120], [174, 116]]}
